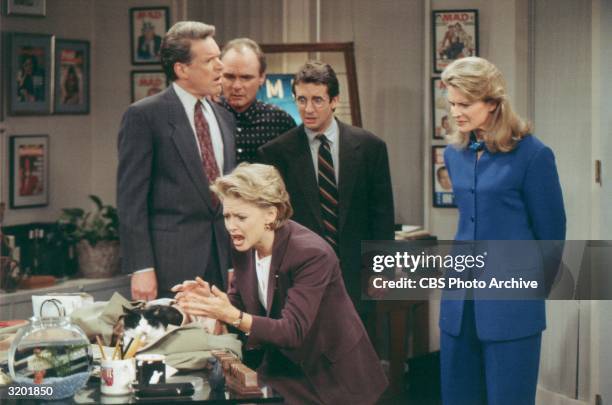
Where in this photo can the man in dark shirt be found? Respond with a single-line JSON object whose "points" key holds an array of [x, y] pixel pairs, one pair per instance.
{"points": [[256, 122]]}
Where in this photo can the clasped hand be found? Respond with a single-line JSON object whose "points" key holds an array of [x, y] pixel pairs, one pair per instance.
{"points": [[197, 298]]}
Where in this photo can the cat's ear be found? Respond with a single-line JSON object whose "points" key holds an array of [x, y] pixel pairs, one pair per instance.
{"points": [[127, 310]]}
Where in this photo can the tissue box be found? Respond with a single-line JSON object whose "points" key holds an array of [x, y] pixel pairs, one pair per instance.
{"points": [[69, 301]]}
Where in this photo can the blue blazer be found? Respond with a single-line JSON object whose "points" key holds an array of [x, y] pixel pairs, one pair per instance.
{"points": [[504, 196]]}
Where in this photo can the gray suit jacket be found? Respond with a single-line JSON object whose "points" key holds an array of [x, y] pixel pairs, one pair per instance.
{"points": [[167, 220]]}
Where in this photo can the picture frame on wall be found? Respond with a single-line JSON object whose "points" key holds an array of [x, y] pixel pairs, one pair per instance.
{"points": [[26, 8], [29, 171], [440, 113], [145, 83], [71, 77], [30, 74], [277, 90], [442, 187], [148, 25], [455, 35], [3, 62]]}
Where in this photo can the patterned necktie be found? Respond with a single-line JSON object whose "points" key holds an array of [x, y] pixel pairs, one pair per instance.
{"points": [[211, 169], [328, 192]]}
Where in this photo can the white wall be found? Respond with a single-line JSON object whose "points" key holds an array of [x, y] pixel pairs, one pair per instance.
{"points": [[602, 121]]}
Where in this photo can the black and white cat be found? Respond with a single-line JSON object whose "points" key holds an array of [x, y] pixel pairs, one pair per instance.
{"points": [[150, 322]]}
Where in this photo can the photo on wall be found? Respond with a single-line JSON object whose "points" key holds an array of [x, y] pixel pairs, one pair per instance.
{"points": [[29, 171], [277, 90], [455, 36], [440, 112], [148, 25], [29, 83], [25, 8], [146, 83], [71, 77], [442, 187]]}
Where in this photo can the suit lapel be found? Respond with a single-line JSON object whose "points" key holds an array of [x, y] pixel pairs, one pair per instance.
{"points": [[349, 156], [184, 139], [279, 248], [248, 286], [300, 158]]}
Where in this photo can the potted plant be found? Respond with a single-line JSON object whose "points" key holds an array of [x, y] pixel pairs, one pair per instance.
{"points": [[96, 237]]}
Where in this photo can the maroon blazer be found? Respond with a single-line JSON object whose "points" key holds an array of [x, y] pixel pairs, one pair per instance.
{"points": [[310, 322]]}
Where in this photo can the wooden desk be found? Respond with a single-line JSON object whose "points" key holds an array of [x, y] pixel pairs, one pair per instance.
{"points": [[404, 316]]}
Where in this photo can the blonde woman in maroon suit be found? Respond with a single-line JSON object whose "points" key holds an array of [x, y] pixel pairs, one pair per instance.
{"points": [[288, 295]]}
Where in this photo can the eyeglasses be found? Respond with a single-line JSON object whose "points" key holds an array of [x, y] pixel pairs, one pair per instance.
{"points": [[317, 102]]}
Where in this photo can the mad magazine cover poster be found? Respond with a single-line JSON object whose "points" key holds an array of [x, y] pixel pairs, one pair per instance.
{"points": [[443, 196], [277, 90], [147, 83], [455, 36], [31, 75], [72, 64]]}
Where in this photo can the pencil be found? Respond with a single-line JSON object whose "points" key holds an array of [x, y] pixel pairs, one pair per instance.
{"points": [[133, 347], [101, 347], [116, 350], [125, 348]]}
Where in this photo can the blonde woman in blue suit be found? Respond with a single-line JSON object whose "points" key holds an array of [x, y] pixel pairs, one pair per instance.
{"points": [[506, 188]]}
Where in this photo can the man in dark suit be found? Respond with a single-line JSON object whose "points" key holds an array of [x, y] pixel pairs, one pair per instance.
{"points": [[337, 175], [171, 147]]}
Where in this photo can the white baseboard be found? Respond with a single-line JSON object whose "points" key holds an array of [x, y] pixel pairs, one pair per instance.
{"points": [[546, 397]]}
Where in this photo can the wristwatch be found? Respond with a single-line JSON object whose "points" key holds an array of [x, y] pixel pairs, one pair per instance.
{"points": [[236, 323]]}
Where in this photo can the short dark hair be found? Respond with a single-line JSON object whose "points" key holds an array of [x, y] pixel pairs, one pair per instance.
{"points": [[239, 44], [318, 73], [176, 45]]}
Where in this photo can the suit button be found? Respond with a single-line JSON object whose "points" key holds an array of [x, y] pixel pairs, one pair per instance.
{"points": [[472, 219], [472, 190]]}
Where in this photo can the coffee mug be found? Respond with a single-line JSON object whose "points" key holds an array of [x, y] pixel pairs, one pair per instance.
{"points": [[151, 369], [116, 376]]}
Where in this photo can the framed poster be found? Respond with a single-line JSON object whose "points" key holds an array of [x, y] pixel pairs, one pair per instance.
{"points": [[440, 113], [30, 74], [148, 25], [442, 187], [145, 83], [3, 62], [71, 77], [455, 35], [277, 90], [29, 8], [29, 171]]}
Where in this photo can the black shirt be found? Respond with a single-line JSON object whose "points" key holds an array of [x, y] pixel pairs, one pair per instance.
{"points": [[256, 126]]}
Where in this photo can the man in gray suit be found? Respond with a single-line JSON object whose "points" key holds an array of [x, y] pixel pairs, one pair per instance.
{"points": [[171, 147]]}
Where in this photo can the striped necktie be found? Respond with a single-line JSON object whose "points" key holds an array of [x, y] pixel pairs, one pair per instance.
{"points": [[328, 192], [209, 162]]}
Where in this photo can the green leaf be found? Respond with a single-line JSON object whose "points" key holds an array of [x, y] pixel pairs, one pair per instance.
{"points": [[97, 200]]}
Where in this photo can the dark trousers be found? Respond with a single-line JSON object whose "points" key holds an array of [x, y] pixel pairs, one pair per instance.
{"points": [[478, 372]]}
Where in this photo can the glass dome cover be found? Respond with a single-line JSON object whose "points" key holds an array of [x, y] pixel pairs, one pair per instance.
{"points": [[50, 352]]}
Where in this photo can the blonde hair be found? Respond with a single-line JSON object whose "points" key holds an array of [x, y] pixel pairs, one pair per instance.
{"points": [[258, 184], [479, 80]]}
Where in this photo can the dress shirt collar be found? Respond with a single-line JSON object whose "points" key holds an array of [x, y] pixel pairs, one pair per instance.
{"points": [[331, 133], [189, 100]]}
